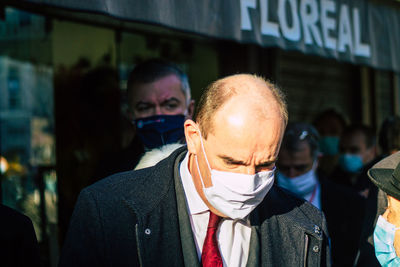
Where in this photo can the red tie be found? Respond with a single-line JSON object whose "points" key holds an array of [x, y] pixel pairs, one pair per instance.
{"points": [[210, 256]]}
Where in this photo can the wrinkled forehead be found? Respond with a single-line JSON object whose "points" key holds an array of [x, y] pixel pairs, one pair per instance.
{"points": [[241, 124], [251, 109], [166, 87]]}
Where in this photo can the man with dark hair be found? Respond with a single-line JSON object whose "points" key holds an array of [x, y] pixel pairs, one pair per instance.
{"points": [[155, 78], [389, 142], [213, 203], [158, 102], [330, 125], [357, 154], [297, 172], [389, 136]]}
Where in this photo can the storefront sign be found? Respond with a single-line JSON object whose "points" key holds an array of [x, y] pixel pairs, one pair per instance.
{"points": [[325, 24], [358, 31]]}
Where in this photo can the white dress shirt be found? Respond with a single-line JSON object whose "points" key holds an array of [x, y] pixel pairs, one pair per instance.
{"points": [[233, 235]]}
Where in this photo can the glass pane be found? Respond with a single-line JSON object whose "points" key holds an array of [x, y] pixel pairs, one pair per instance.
{"points": [[27, 139]]}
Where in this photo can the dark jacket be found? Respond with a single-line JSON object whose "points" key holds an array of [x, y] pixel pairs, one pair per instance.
{"points": [[18, 243], [344, 211], [376, 205], [124, 160], [140, 218]]}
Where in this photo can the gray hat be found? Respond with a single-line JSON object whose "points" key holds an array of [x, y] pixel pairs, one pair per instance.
{"points": [[386, 175]]}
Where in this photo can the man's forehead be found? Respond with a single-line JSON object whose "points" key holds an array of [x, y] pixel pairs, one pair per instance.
{"points": [[246, 141], [246, 109], [163, 88], [302, 152], [354, 138]]}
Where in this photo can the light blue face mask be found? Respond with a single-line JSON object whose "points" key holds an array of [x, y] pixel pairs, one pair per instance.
{"points": [[383, 243], [351, 162], [329, 145], [300, 185]]}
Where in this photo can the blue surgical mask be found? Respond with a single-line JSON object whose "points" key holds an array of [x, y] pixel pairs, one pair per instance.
{"points": [[301, 185], [351, 162], [159, 130], [329, 145], [383, 243]]}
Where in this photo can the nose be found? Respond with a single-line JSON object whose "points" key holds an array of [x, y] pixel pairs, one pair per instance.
{"points": [[250, 170], [292, 172], [158, 111]]}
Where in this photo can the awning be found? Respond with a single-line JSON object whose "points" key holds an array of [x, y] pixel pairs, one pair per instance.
{"points": [[357, 31]]}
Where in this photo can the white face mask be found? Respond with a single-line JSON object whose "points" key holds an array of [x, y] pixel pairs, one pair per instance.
{"points": [[236, 194]]}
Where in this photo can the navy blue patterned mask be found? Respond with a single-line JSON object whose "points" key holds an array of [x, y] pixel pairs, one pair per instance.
{"points": [[159, 130]]}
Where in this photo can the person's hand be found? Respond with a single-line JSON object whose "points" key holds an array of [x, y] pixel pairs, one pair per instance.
{"points": [[392, 215]]}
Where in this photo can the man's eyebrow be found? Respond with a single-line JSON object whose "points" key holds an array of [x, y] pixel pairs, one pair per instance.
{"points": [[171, 99], [140, 102], [267, 163], [240, 162], [232, 160]]}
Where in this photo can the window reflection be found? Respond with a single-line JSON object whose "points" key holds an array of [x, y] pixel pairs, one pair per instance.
{"points": [[27, 140]]}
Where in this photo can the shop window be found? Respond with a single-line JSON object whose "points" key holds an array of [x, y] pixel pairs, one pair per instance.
{"points": [[28, 180], [14, 101], [24, 19]]}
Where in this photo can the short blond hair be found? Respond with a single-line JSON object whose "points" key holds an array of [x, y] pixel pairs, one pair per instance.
{"points": [[219, 92]]}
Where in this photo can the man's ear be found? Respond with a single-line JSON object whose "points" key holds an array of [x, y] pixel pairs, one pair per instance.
{"points": [[192, 136], [316, 162], [190, 109]]}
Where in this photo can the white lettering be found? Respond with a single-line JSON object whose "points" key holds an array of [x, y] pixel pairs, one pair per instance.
{"points": [[309, 20], [245, 22], [291, 33], [328, 23], [345, 35], [360, 49], [267, 27]]}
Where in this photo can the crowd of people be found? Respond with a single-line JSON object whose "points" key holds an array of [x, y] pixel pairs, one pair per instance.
{"points": [[235, 183]]}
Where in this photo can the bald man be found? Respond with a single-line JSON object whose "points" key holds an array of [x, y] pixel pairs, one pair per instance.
{"points": [[212, 203]]}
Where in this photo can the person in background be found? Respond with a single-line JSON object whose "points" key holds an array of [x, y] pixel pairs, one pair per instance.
{"points": [[212, 203], [389, 143], [389, 136], [158, 103], [18, 243], [386, 176], [297, 172], [358, 152], [330, 125]]}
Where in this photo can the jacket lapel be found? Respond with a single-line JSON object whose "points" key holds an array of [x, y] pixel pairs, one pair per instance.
{"points": [[188, 246], [254, 248]]}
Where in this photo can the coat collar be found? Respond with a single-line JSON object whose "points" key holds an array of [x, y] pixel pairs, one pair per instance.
{"points": [[159, 177]]}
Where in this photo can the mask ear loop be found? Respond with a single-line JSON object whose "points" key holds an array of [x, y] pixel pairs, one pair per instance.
{"points": [[198, 169], [204, 152], [197, 162]]}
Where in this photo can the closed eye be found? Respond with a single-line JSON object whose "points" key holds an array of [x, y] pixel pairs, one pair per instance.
{"points": [[171, 103], [232, 162], [143, 106], [266, 165]]}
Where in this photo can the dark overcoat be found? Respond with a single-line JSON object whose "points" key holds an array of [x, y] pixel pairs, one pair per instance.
{"points": [[139, 218]]}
